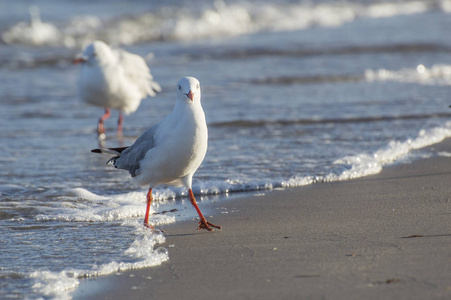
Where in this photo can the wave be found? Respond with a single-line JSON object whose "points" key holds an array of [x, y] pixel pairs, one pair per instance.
{"points": [[435, 75], [360, 165], [216, 20], [306, 52], [81, 205], [89, 207], [345, 168], [142, 253], [263, 123], [56, 58]]}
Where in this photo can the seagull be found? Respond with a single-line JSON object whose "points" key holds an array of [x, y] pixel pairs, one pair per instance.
{"points": [[113, 79], [170, 152]]}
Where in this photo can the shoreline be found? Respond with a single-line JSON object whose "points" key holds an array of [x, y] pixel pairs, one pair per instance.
{"points": [[383, 236]]}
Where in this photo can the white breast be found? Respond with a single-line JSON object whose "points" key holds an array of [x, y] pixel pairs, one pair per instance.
{"points": [[107, 86], [181, 147]]}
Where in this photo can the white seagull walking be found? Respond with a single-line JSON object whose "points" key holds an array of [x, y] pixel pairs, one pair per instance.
{"points": [[113, 79], [171, 151]]}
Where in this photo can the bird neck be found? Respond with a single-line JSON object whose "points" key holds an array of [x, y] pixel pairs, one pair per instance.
{"points": [[192, 111]]}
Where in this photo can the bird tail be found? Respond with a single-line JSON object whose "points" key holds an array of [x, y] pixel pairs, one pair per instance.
{"points": [[113, 151]]}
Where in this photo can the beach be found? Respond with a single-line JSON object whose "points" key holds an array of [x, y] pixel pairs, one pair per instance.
{"points": [[385, 236], [326, 123]]}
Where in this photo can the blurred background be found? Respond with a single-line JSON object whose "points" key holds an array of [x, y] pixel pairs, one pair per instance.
{"points": [[295, 92]]}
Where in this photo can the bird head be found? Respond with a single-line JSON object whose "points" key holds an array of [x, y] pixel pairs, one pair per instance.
{"points": [[188, 90], [96, 52]]}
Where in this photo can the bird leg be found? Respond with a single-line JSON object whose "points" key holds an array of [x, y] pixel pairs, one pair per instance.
{"points": [[100, 126], [203, 224], [120, 121], [149, 202]]}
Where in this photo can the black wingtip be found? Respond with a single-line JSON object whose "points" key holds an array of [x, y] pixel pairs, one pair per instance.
{"points": [[96, 151]]}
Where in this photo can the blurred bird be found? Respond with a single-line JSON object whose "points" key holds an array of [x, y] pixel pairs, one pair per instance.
{"points": [[171, 151], [113, 79]]}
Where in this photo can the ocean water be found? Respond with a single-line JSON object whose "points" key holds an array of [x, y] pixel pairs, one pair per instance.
{"points": [[295, 93]]}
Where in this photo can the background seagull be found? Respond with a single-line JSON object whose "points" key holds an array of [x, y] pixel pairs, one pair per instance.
{"points": [[171, 151], [113, 79]]}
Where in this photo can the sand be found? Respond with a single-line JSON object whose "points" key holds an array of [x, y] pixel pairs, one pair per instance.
{"points": [[386, 236]]}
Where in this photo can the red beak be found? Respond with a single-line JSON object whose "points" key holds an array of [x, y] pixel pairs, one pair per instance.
{"points": [[190, 95], [78, 60]]}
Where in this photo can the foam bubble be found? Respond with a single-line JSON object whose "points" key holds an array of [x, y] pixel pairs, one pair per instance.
{"points": [[299, 181], [57, 285]]}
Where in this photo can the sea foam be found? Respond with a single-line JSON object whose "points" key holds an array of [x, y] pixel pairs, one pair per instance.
{"points": [[143, 252], [81, 205], [368, 164], [217, 20], [436, 75]]}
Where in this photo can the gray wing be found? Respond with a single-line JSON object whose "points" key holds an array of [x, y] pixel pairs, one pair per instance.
{"points": [[130, 158]]}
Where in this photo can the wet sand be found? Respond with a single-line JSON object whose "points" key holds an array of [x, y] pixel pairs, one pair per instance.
{"points": [[386, 236]]}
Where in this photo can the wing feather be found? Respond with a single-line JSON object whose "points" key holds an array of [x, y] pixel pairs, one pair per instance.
{"points": [[131, 157], [136, 70]]}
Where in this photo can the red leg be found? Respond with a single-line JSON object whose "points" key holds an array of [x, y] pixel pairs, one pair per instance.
{"points": [[120, 121], [100, 126], [203, 224], [149, 202]]}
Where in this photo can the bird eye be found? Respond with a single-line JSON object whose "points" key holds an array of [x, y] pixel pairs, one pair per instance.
{"points": [[180, 88]]}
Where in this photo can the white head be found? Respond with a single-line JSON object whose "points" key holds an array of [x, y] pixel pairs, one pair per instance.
{"points": [[188, 90], [96, 52]]}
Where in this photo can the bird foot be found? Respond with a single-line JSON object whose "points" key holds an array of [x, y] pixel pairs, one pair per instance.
{"points": [[203, 224], [152, 229], [148, 226]]}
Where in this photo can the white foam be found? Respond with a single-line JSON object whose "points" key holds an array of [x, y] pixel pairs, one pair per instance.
{"points": [[34, 33], [345, 168], [89, 207], [81, 205], [364, 164], [299, 181], [143, 252], [57, 285], [360, 165], [218, 20], [386, 9], [85, 194], [444, 154], [445, 5], [436, 75]]}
